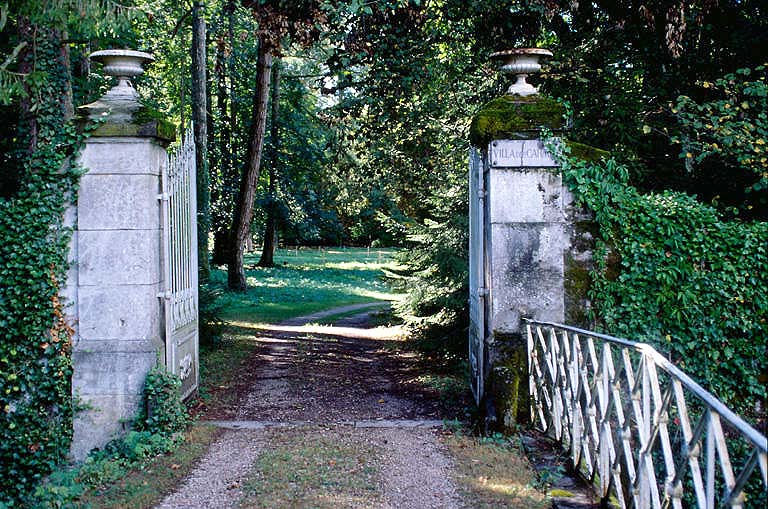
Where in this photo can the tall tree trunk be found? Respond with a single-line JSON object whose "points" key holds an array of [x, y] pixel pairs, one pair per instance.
{"points": [[221, 196], [199, 117], [228, 175], [270, 230], [244, 208]]}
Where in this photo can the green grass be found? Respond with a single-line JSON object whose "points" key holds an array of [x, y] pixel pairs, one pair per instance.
{"points": [[317, 469], [306, 280]]}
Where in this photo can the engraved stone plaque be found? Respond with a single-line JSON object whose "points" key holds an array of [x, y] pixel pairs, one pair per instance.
{"points": [[520, 154]]}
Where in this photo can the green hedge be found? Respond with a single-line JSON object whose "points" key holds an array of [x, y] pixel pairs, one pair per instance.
{"points": [[671, 271]]}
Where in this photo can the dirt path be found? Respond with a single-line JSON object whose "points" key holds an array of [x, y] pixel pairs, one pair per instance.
{"points": [[350, 383]]}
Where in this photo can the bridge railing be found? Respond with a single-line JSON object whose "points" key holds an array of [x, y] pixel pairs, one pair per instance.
{"points": [[639, 427]]}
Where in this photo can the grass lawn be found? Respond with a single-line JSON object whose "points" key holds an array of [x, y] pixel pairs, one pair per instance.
{"points": [[323, 469], [306, 280]]}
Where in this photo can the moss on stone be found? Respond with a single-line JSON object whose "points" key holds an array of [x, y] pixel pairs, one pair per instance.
{"points": [[558, 493], [514, 117], [577, 282], [144, 121], [586, 152], [508, 380]]}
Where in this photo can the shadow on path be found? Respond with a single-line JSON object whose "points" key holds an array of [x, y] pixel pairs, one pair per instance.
{"points": [[324, 374]]}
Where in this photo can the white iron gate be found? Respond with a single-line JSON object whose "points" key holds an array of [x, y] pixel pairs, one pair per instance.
{"points": [[180, 264], [477, 287]]}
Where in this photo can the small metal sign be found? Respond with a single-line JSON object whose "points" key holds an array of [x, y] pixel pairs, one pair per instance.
{"points": [[520, 154]]}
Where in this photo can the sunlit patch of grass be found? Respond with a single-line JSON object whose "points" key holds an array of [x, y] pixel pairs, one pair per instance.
{"points": [[452, 388], [494, 473], [148, 485], [305, 468], [305, 281]]}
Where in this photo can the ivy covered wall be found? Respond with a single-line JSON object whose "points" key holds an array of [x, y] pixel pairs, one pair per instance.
{"points": [[36, 404], [674, 272]]}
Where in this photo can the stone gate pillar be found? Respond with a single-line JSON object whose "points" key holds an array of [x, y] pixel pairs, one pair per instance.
{"points": [[534, 258], [116, 273]]}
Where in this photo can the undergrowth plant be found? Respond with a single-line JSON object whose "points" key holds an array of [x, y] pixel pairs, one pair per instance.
{"points": [[163, 411], [156, 431]]}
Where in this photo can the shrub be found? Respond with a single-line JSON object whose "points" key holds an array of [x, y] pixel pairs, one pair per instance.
{"points": [[210, 320], [435, 308], [163, 411], [671, 271]]}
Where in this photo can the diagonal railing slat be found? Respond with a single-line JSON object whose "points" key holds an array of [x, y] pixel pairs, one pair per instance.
{"points": [[622, 409]]}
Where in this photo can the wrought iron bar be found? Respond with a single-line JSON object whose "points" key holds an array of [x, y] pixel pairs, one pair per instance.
{"points": [[630, 430]]}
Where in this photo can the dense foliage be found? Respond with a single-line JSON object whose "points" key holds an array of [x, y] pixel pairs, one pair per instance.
{"points": [[163, 411], [435, 307], [673, 272], [35, 367], [724, 139]]}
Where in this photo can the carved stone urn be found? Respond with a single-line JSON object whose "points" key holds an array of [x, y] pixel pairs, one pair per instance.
{"points": [[521, 62], [122, 100], [124, 64]]}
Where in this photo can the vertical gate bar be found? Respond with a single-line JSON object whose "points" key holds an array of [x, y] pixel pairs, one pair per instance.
{"points": [[725, 460], [576, 433], [166, 236], [661, 416], [693, 455], [195, 287], [710, 462]]}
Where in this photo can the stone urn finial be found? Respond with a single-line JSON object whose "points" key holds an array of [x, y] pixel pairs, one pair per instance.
{"points": [[124, 64], [521, 62], [122, 100]]}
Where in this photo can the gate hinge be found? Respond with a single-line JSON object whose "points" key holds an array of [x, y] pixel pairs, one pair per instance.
{"points": [[163, 196], [482, 194], [164, 295], [482, 291]]}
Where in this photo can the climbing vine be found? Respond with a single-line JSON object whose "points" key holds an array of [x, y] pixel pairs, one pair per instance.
{"points": [[673, 272], [36, 405]]}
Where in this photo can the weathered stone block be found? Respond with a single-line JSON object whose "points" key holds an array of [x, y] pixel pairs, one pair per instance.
{"points": [[119, 202], [100, 372], [108, 416], [528, 246], [119, 312], [119, 257], [531, 293], [122, 156], [526, 196]]}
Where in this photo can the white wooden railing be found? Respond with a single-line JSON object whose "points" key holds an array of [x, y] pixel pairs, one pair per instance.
{"points": [[638, 427]]}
